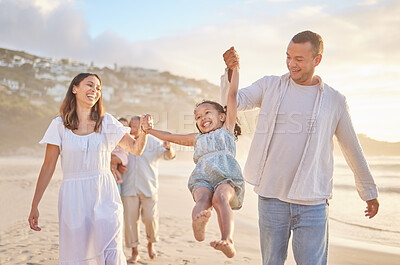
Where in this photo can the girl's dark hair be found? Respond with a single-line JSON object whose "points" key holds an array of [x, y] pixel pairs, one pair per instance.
{"points": [[68, 107], [221, 109]]}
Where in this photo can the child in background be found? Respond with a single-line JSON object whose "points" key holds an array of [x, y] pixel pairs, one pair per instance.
{"points": [[119, 156], [217, 181]]}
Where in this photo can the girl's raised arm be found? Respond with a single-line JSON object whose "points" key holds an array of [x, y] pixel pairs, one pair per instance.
{"points": [[231, 108], [181, 139]]}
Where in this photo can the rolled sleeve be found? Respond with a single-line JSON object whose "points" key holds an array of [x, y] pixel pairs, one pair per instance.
{"points": [[248, 98], [354, 156]]}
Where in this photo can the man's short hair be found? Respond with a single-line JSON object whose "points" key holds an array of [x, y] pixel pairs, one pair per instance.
{"points": [[135, 118], [312, 37]]}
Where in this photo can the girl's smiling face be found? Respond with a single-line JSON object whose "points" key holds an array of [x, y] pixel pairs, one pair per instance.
{"points": [[208, 118]]}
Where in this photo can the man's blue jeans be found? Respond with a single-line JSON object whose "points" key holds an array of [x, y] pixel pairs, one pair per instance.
{"points": [[310, 231]]}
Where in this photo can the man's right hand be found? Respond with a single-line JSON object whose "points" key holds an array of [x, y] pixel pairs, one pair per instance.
{"points": [[231, 59]]}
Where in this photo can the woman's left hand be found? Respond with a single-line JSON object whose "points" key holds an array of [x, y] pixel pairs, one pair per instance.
{"points": [[34, 219]]}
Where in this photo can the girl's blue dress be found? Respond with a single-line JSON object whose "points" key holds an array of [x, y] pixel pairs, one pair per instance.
{"points": [[214, 156]]}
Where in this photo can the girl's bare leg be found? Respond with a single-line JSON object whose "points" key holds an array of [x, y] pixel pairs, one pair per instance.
{"points": [[201, 212], [222, 197]]}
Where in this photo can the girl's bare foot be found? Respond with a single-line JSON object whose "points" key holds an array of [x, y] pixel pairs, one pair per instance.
{"points": [[200, 222], [150, 249], [226, 246], [135, 256]]}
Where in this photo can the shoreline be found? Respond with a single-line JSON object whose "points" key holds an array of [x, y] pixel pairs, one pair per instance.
{"points": [[20, 245], [365, 246]]}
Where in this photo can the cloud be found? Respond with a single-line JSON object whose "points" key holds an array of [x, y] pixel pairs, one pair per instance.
{"points": [[269, 1], [360, 57], [352, 38], [60, 32], [46, 6], [369, 3]]}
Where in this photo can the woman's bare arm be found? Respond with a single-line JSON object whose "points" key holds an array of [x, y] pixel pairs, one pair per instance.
{"points": [[132, 145], [45, 175]]}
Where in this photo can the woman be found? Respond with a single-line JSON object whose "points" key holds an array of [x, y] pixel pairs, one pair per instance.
{"points": [[89, 208]]}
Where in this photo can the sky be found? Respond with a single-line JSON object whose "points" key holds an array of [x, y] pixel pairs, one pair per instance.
{"points": [[187, 38]]}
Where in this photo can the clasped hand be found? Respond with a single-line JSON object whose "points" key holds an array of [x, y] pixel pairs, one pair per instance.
{"points": [[231, 58], [146, 122]]}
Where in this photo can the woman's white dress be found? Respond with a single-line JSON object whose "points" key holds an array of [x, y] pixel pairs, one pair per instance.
{"points": [[89, 208]]}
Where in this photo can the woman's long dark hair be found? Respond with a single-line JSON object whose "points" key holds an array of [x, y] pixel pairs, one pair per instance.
{"points": [[237, 131], [68, 107]]}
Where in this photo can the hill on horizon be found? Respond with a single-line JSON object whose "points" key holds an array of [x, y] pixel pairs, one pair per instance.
{"points": [[32, 87]]}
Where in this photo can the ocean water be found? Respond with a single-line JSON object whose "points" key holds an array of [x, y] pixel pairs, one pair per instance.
{"points": [[346, 209]]}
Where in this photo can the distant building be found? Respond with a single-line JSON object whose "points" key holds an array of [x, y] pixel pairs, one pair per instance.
{"points": [[57, 92], [192, 91], [107, 92], [12, 84], [18, 60]]}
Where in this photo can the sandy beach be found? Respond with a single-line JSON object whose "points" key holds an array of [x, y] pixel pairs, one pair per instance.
{"points": [[20, 245]]}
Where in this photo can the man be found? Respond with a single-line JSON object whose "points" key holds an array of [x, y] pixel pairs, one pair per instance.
{"points": [[139, 192], [290, 161]]}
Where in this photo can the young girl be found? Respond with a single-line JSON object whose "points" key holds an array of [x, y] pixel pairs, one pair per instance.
{"points": [[217, 180], [89, 206]]}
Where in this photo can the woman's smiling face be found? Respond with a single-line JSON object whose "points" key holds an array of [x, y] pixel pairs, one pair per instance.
{"points": [[88, 91]]}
